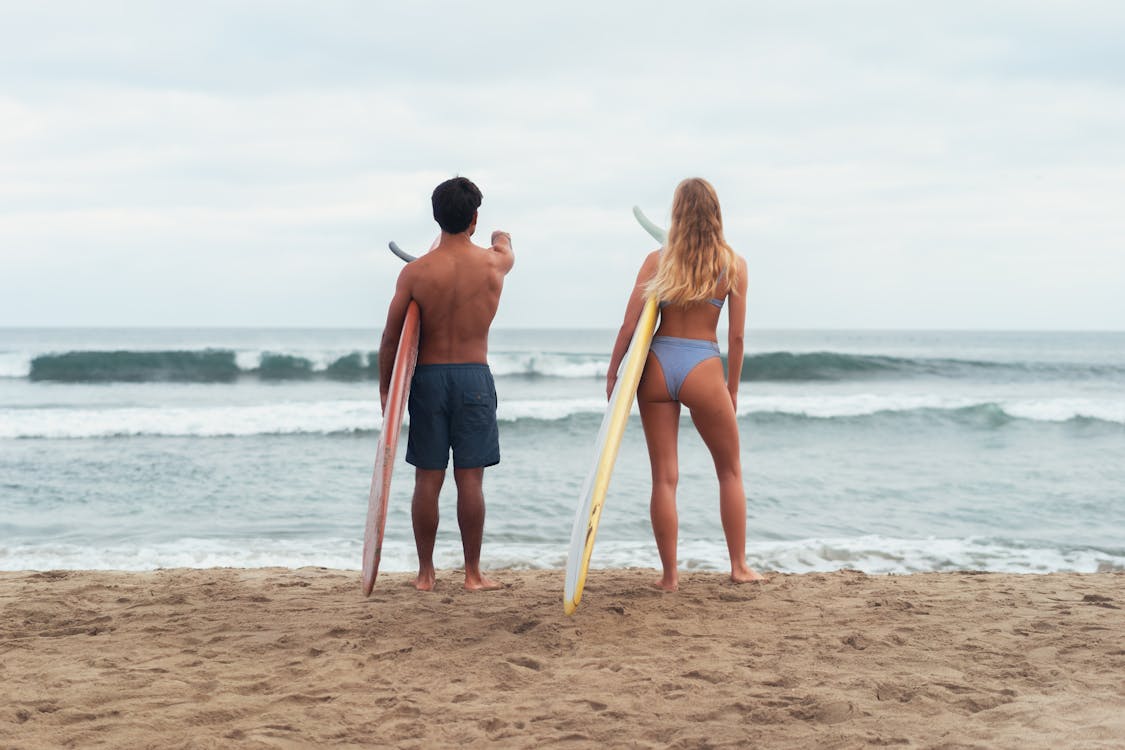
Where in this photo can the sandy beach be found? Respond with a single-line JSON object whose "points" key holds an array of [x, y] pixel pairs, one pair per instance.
{"points": [[298, 658]]}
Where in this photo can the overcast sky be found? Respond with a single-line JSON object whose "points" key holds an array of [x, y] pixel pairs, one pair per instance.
{"points": [[880, 165]]}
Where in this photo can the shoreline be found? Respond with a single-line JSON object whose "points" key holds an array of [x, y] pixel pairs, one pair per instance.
{"points": [[275, 657]]}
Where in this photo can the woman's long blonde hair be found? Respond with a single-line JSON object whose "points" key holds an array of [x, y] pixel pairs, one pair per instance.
{"points": [[696, 254]]}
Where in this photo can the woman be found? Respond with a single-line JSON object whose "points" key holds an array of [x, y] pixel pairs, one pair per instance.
{"points": [[693, 277]]}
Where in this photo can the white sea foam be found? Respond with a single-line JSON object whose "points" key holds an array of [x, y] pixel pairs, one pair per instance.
{"points": [[320, 359], [848, 405], [827, 406], [548, 364], [15, 364], [1063, 409], [247, 359], [323, 417], [870, 554], [314, 417], [875, 554], [548, 410], [189, 553], [197, 421]]}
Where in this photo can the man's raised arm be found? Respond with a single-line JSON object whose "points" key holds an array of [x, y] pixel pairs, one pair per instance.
{"points": [[502, 246]]}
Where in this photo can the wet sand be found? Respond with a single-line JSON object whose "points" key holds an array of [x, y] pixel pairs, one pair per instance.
{"points": [[298, 658]]}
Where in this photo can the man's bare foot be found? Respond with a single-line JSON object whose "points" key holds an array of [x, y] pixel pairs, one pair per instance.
{"points": [[480, 583], [667, 584], [425, 580], [747, 575]]}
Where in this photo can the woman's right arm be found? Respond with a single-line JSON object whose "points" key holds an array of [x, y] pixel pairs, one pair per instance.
{"points": [[632, 315]]}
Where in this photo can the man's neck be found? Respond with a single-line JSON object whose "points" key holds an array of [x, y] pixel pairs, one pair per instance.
{"points": [[455, 240]]}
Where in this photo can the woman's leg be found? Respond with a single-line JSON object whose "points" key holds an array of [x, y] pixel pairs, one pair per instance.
{"points": [[705, 392], [660, 416]]}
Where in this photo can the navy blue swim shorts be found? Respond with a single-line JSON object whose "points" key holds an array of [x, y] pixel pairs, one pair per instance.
{"points": [[453, 406]]}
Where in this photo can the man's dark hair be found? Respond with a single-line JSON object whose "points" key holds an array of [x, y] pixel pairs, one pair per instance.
{"points": [[455, 201]]}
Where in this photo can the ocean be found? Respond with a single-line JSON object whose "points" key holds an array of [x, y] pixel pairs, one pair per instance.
{"points": [[883, 451]]}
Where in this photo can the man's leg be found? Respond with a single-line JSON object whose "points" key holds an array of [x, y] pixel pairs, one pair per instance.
{"points": [[424, 513], [470, 517]]}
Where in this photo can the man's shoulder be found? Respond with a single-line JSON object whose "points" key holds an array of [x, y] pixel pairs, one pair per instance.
{"points": [[444, 260], [494, 256], [491, 249], [459, 250], [500, 253]]}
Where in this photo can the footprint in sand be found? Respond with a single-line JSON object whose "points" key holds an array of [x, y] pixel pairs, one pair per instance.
{"points": [[1099, 601], [824, 712], [526, 662]]}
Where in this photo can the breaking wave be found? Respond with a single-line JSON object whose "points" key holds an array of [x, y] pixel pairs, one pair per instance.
{"points": [[204, 366], [228, 365]]}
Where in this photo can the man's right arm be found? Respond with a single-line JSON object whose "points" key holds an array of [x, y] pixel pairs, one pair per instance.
{"points": [[502, 246], [388, 347]]}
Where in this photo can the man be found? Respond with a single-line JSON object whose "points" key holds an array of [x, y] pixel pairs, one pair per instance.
{"points": [[457, 287]]}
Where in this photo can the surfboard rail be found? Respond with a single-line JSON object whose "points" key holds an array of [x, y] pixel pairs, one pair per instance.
{"points": [[398, 395], [406, 357]]}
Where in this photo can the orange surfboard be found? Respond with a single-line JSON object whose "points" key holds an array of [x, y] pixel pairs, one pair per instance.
{"points": [[405, 358]]}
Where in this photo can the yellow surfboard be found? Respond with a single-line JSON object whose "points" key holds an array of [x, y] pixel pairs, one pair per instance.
{"points": [[594, 490]]}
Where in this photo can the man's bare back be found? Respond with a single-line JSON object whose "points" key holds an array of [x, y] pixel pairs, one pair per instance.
{"points": [[457, 287]]}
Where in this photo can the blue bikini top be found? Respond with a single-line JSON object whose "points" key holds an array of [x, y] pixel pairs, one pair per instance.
{"points": [[714, 300]]}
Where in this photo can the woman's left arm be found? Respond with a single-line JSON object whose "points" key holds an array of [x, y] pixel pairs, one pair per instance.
{"points": [[632, 315], [736, 312]]}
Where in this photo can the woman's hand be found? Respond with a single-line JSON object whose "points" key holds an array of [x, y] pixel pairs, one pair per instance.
{"points": [[610, 382]]}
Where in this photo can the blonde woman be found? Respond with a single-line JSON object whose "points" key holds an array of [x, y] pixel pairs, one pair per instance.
{"points": [[694, 276]]}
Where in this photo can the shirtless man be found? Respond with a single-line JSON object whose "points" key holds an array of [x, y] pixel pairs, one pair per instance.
{"points": [[457, 287]]}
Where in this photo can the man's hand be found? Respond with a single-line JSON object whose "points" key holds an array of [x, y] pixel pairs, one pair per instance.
{"points": [[498, 235], [383, 400], [610, 382]]}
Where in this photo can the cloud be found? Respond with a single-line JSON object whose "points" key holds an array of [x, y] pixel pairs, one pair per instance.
{"points": [[880, 166]]}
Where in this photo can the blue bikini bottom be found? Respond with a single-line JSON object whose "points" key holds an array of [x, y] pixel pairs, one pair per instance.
{"points": [[678, 357]]}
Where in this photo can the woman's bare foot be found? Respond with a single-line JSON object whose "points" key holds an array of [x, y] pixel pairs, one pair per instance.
{"points": [[479, 582], [425, 580], [667, 583], [747, 575]]}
